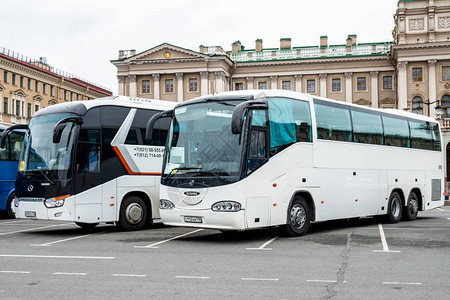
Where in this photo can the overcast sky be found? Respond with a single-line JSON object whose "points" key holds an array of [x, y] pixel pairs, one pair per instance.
{"points": [[82, 36]]}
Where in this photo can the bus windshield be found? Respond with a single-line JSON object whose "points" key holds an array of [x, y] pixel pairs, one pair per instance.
{"points": [[201, 142], [40, 153]]}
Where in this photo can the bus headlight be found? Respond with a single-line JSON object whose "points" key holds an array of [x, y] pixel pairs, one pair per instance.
{"points": [[55, 201], [166, 204], [226, 206]]}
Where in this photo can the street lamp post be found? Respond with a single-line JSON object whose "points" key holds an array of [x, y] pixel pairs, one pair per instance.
{"points": [[428, 103]]}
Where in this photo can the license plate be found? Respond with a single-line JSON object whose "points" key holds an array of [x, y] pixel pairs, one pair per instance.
{"points": [[30, 214], [193, 219]]}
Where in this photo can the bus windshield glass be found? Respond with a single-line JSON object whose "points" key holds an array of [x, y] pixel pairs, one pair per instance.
{"points": [[41, 154], [201, 142]]}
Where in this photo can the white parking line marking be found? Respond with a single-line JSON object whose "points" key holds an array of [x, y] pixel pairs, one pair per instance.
{"points": [[322, 281], [260, 279], [60, 241], [31, 229], [440, 209], [129, 275], [263, 246], [383, 241], [74, 274], [191, 277], [403, 283], [57, 256], [15, 272], [168, 240]]}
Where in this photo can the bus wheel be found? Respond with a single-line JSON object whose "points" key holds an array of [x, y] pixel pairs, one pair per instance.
{"points": [[87, 226], [412, 208], [299, 216], [394, 208], [10, 206], [133, 214]]}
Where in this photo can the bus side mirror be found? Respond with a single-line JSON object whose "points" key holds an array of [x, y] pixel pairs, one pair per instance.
{"points": [[152, 121], [59, 127], [238, 113], [7, 131]]}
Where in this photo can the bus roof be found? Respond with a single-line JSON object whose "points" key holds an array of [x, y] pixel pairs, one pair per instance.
{"points": [[81, 107]]}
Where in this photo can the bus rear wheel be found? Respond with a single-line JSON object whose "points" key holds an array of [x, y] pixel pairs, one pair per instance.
{"points": [[299, 217], [10, 207], [394, 208], [411, 209], [133, 214]]}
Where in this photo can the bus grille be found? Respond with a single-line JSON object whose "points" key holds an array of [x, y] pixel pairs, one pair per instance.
{"points": [[436, 190]]}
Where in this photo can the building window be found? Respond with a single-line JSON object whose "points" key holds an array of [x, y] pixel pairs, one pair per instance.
{"points": [[311, 86], [192, 84], [52, 91], [36, 86], [445, 73], [387, 82], [262, 85], [17, 108], [36, 108], [5, 76], [417, 74], [22, 82], [169, 86], [445, 103], [239, 86], [361, 84], [29, 83], [65, 95], [417, 106], [5, 105], [72, 96], [44, 88], [145, 86], [286, 85], [13, 78], [336, 85], [29, 110]]}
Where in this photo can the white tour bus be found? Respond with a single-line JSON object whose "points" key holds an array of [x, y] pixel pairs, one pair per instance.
{"points": [[89, 162], [251, 159]]}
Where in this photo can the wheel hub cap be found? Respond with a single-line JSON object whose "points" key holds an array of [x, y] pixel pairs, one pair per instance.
{"points": [[298, 216], [134, 213]]}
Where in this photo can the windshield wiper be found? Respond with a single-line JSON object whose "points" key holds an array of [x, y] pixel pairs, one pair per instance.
{"points": [[215, 173], [45, 176], [175, 170]]}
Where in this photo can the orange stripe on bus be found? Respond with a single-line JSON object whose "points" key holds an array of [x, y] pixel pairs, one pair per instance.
{"points": [[127, 167]]}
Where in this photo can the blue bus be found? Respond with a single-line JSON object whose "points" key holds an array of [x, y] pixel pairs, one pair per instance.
{"points": [[11, 145]]}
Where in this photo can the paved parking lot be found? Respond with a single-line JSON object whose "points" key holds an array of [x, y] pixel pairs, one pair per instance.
{"points": [[361, 259]]}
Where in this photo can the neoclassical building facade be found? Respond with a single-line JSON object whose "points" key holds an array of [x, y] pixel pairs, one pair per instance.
{"points": [[410, 73], [27, 85]]}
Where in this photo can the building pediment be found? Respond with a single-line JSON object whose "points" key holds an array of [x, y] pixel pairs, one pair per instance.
{"points": [[2, 88], [38, 99], [19, 93], [363, 102], [387, 101], [164, 52]]}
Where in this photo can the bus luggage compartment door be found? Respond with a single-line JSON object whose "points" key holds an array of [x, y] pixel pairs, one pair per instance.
{"points": [[257, 212]]}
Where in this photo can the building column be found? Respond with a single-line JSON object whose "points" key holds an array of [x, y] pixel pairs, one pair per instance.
{"points": [[432, 87], [180, 89], [249, 83], [220, 82], [298, 83], [273, 82], [374, 88], [133, 86], [323, 85], [402, 85], [349, 87], [204, 83], [156, 89], [121, 90]]}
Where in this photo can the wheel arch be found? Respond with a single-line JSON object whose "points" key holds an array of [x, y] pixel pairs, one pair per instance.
{"points": [[308, 198], [418, 193], [400, 192], [144, 196]]}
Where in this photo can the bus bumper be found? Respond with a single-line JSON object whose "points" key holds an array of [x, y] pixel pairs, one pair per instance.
{"points": [[36, 210], [204, 219]]}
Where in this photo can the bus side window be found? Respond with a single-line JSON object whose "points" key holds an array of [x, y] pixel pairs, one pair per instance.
{"points": [[88, 158], [257, 152]]}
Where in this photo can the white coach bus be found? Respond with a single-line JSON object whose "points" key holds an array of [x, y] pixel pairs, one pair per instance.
{"points": [[89, 162], [251, 159]]}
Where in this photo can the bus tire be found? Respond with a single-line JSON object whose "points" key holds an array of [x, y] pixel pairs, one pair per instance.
{"points": [[394, 208], [87, 226], [411, 209], [133, 214], [10, 206], [298, 218]]}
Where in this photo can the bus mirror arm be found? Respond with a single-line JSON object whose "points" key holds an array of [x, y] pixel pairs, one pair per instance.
{"points": [[239, 110], [152, 121], [7, 131], [59, 127]]}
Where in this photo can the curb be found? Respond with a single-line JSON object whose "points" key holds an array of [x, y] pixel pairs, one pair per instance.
{"points": [[447, 203]]}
